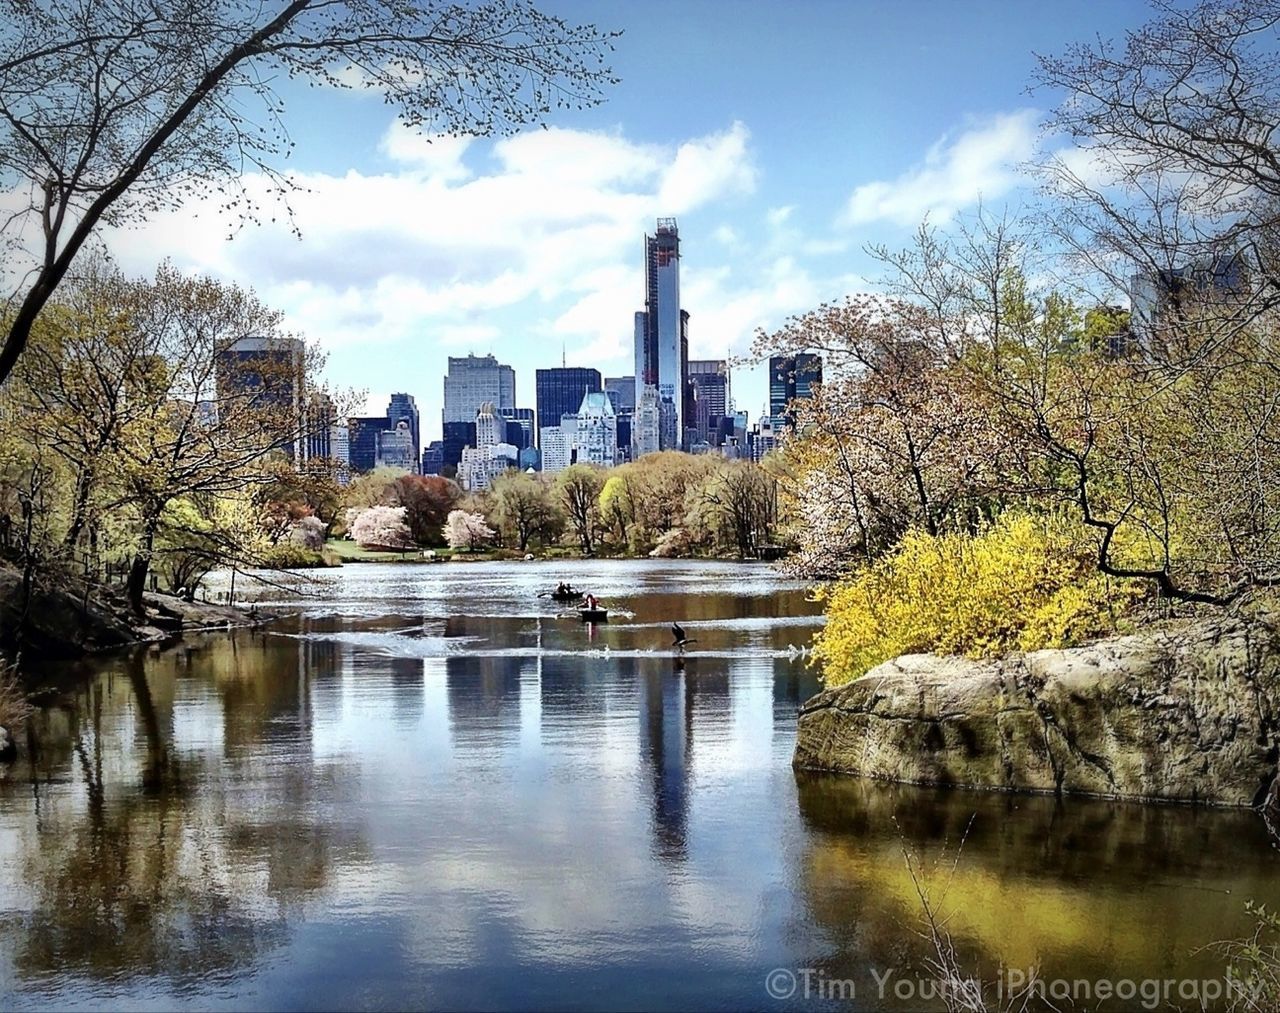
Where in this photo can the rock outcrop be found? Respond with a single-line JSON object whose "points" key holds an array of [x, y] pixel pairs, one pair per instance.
{"points": [[1186, 713], [59, 623]]}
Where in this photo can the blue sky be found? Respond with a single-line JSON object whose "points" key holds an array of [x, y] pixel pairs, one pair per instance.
{"points": [[783, 137]]}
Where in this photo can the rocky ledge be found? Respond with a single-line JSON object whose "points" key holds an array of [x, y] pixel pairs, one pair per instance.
{"points": [[1186, 713], [62, 623]]}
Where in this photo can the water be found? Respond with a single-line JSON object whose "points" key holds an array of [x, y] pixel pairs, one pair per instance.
{"points": [[421, 788]]}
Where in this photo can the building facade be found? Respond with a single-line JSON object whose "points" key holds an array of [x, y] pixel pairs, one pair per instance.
{"points": [[560, 392], [622, 392], [271, 372], [403, 407], [709, 379], [474, 380], [792, 377], [395, 448], [596, 439], [661, 333], [646, 424]]}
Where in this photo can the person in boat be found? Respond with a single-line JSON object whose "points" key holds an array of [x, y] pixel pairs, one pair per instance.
{"points": [[592, 603]]}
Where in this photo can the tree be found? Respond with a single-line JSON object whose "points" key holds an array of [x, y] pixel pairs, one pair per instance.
{"points": [[110, 109], [381, 527], [897, 436], [580, 486], [427, 500], [210, 425], [467, 530], [1176, 160], [737, 506], [524, 507], [617, 511]]}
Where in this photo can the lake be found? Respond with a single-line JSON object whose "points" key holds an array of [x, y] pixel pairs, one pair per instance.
{"points": [[423, 787]]}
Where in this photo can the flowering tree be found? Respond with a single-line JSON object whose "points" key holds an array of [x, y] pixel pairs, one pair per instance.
{"points": [[381, 527], [897, 436], [465, 530]]}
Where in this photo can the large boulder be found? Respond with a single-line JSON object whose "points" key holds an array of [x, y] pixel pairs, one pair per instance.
{"points": [[1186, 712], [57, 622]]}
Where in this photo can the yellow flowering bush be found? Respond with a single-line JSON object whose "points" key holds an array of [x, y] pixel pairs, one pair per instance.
{"points": [[1025, 583]]}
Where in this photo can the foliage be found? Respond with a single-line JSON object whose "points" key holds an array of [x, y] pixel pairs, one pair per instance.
{"points": [[466, 530], [110, 109], [291, 556], [525, 508], [579, 486], [897, 436], [309, 533], [734, 508], [1024, 583], [1254, 962], [427, 500], [381, 527], [14, 707]]}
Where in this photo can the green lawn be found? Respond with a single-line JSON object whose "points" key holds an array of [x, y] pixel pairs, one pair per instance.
{"points": [[349, 551]]}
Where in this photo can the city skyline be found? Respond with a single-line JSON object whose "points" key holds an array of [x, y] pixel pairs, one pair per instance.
{"points": [[780, 163]]}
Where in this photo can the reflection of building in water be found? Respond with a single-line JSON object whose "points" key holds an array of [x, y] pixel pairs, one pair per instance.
{"points": [[483, 691], [666, 739]]}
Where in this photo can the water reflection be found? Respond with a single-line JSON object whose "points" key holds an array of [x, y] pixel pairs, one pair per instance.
{"points": [[405, 808]]}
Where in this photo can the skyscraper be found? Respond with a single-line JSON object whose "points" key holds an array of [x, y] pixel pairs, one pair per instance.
{"points": [[271, 371], [403, 408], [622, 392], [560, 392], [597, 435], [792, 377], [709, 379], [474, 380], [662, 333]]}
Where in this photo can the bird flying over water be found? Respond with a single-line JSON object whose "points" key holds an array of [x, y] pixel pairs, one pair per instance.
{"points": [[680, 639]]}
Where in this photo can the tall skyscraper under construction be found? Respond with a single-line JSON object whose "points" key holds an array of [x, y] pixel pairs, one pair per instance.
{"points": [[662, 334]]}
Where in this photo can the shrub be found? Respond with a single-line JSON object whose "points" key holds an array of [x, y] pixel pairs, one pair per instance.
{"points": [[1025, 583]]}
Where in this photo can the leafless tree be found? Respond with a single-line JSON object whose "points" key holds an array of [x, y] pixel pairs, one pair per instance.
{"points": [[1176, 160], [111, 109]]}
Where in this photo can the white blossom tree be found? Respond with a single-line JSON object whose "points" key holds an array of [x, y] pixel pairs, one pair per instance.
{"points": [[382, 527], [466, 530]]}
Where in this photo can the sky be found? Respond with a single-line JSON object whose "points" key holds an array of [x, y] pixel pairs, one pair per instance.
{"points": [[783, 138]]}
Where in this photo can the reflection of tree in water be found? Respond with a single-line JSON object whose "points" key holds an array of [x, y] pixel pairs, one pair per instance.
{"points": [[180, 860], [1082, 888]]}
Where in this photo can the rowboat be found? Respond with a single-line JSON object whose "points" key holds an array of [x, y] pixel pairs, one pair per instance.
{"points": [[596, 615]]}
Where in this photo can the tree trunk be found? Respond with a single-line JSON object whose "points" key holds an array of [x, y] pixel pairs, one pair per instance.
{"points": [[141, 566]]}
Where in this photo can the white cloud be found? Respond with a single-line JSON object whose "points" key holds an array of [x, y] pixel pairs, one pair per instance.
{"points": [[459, 244], [979, 163], [708, 167]]}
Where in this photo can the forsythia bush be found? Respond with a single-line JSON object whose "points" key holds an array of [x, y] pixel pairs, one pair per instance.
{"points": [[1023, 584]]}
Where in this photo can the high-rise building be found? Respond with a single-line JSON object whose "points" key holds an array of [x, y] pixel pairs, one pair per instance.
{"points": [[556, 444], [662, 333], [791, 378], [491, 455], [456, 436], [395, 448], [597, 434], [362, 441], [474, 380], [709, 379], [320, 417], [560, 392], [271, 371], [646, 423], [520, 426], [433, 458], [622, 392], [403, 407], [1159, 299]]}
